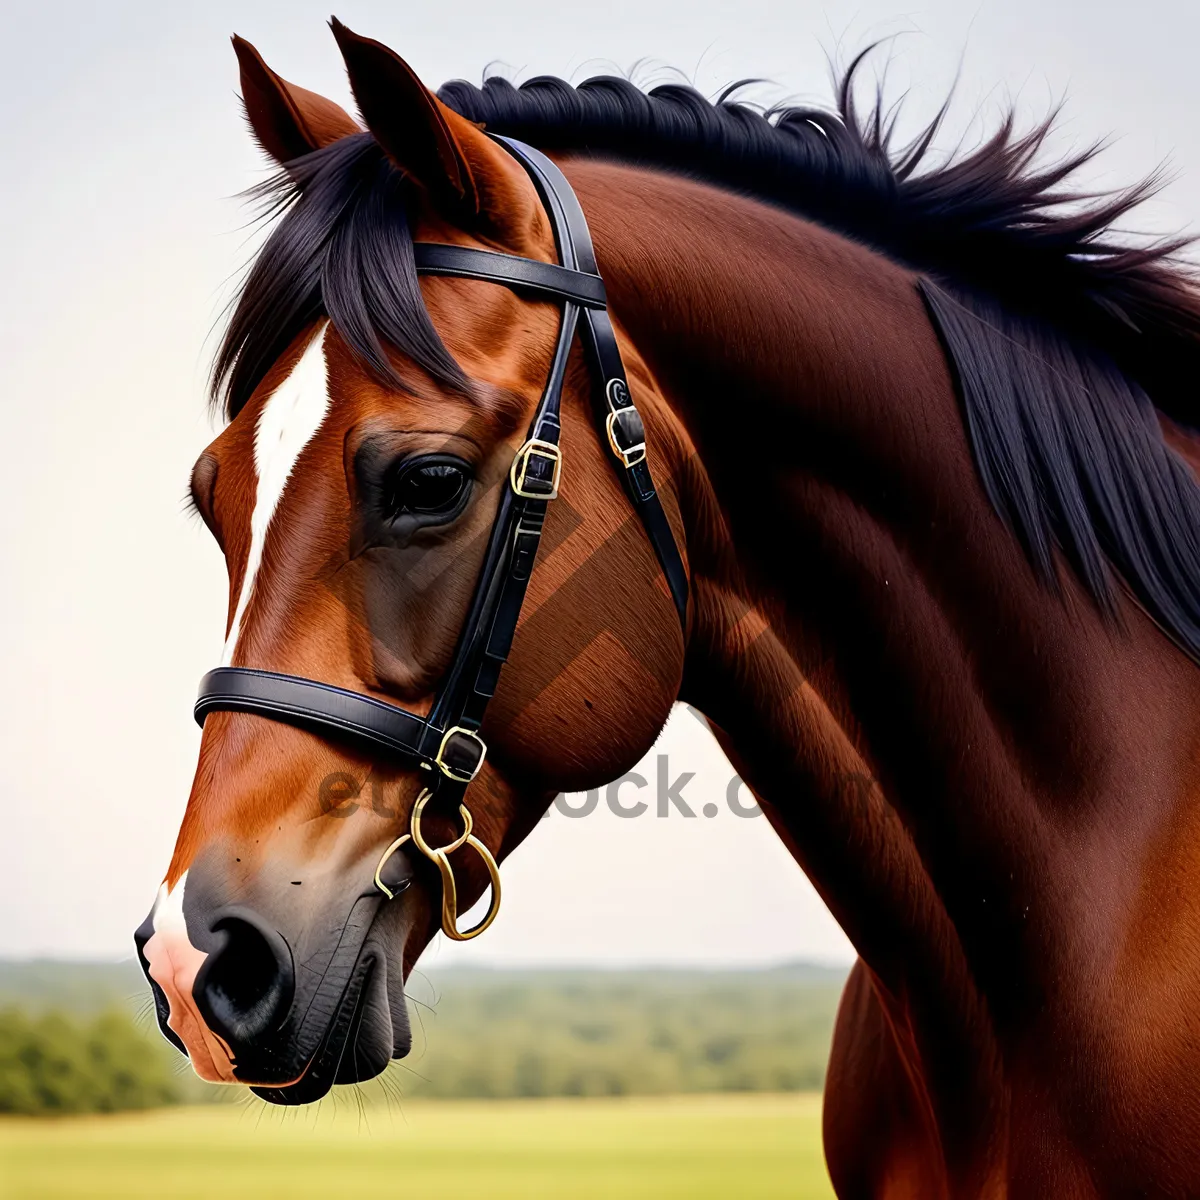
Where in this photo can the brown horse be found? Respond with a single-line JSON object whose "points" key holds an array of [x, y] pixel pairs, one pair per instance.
{"points": [[910, 428]]}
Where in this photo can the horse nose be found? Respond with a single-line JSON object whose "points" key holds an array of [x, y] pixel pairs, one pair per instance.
{"points": [[244, 989]]}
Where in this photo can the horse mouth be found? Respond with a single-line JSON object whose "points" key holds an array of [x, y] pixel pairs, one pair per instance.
{"points": [[335, 1058]]}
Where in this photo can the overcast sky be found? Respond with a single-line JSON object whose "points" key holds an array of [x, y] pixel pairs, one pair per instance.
{"points": [[122, 145]]}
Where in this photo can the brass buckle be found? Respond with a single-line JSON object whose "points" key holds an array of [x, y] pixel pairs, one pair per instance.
{"points": [[631, 456], [620, 401], [449, 771], [535, 448]]}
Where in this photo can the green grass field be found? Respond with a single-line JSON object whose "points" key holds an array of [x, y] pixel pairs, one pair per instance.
{"points": [[750, 1145]]}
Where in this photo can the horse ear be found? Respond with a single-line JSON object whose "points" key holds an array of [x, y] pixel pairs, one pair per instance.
{"points": [[457, 165], [287, 120]]}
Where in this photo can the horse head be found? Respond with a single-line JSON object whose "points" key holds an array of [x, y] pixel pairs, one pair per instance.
{"points": [[376, 424]]}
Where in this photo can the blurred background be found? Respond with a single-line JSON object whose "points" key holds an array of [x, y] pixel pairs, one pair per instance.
{"points": [[712, 972]]}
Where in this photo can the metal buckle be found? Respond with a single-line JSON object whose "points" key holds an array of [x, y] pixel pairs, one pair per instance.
{"points": [[631, 455], [518, 472], [620, 402], [450, 771]]}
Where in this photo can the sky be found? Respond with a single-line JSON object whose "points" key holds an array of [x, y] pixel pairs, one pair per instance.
{"points": [[120, 243]]}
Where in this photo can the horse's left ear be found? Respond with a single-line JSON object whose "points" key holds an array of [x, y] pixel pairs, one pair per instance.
{"points": [[452, 160], [288, 121]]}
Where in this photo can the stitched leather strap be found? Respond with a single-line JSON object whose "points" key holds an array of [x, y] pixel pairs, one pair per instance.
{"points": [[516, 536], [577, 280], [600, 340], [319, 707], [523, 274]]}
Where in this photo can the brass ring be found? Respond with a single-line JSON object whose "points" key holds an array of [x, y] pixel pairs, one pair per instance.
{"points": [[450, 893], [419, 838], [449, 884], [383, 887]]}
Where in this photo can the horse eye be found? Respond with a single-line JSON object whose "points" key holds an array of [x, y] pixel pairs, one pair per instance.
{"points": [[429, 487]]}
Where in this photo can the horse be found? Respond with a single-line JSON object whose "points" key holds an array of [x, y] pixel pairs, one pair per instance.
{"points": [[922, 436]]}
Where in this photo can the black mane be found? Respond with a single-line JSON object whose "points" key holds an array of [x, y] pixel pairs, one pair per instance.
{"points": [[1028, 282], [992, 220]]}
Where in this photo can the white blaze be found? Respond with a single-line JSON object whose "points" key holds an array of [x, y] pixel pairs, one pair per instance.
{"points": [[173, 963], [167, 914], [288, 421]]}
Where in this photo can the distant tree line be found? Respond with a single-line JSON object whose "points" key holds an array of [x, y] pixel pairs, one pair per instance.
{"points": [[57, 1063], [479, 1034], [508, 1034]]}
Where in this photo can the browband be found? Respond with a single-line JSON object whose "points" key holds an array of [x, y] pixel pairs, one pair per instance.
{"points": [[447, 741], [523, 274]]}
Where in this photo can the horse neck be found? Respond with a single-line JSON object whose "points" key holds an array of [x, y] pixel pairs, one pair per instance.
{"points": [[987, 782]]}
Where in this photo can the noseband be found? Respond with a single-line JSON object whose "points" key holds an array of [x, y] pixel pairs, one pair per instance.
{"points": [[447, 743]]}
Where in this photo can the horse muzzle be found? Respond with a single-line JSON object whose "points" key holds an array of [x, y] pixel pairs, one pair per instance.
{"points": [[284, 990]]}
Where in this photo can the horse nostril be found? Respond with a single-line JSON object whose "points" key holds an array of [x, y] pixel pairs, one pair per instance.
{"points": [[244, 989]]}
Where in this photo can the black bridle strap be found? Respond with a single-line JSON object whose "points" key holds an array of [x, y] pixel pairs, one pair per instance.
{"points": [[318, 707], [491, 625], [544, 280], [577, 280], [448, 738], [624, 431]]}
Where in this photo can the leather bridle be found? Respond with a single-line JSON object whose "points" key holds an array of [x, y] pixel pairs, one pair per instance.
{"points": [[447, 742]]}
